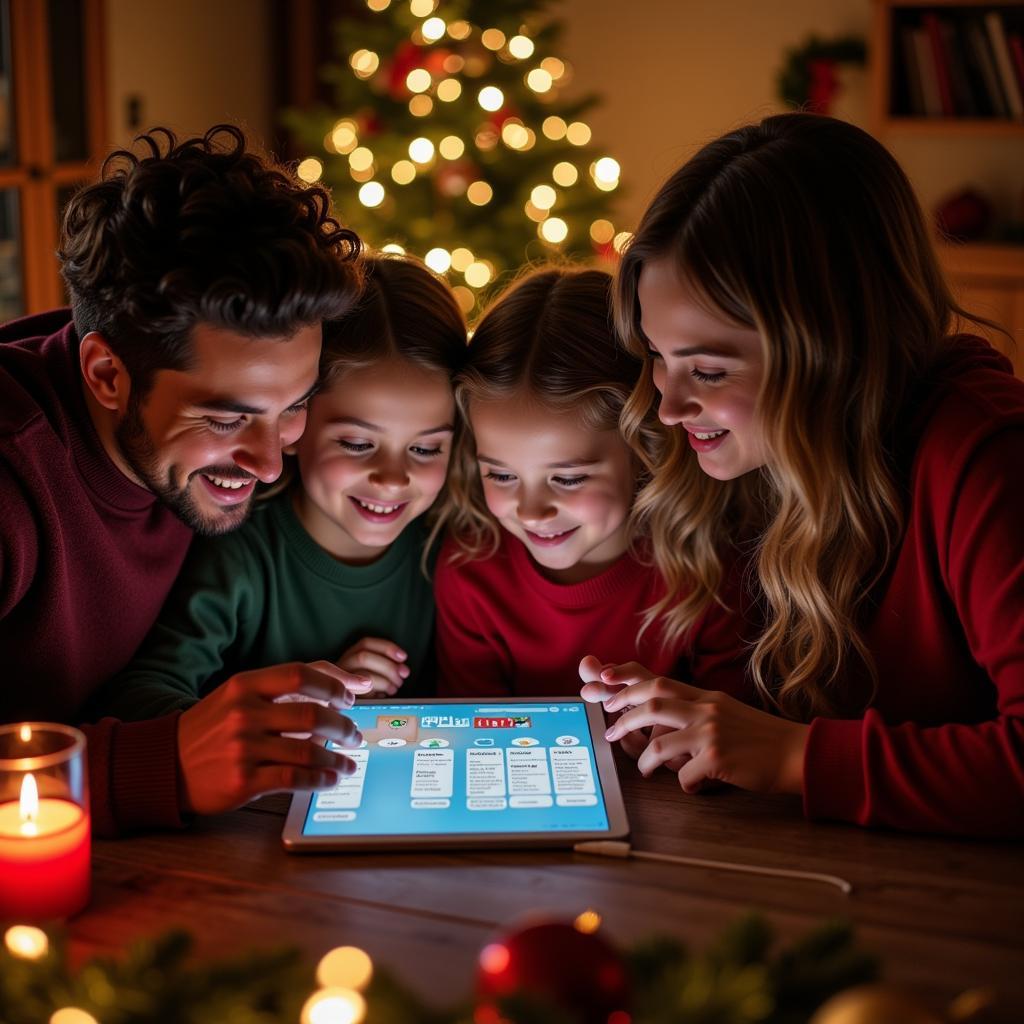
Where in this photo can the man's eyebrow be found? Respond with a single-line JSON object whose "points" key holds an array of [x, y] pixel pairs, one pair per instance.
{"points": [[216, 404], [356, 422]]}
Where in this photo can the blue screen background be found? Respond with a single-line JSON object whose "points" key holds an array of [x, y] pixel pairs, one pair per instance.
{"points": [[465, 768]]}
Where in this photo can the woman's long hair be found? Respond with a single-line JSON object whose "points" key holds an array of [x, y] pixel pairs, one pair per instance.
{"points": [[548, 338], [806, 229]]}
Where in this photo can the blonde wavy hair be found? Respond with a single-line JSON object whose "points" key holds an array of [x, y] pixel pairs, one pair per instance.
{"points": [[806, 229], [548, 337]]}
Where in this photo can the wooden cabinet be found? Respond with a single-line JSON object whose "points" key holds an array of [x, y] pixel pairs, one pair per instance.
{"points": [[987, 279], [52, 137]]}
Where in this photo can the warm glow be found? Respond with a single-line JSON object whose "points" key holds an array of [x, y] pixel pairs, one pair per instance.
{"points": [[493, 38], [486, 137], [345, 967], [543, 197], [421, 150], [364, 63], [449, 90], [461, 258], [554, 128], [451, 147], [538, 80], [420, 106], [460, 29], [371, 194], [607, 169], [344, 137], [565, 174], [554, 230], [28, 805], [378, 5], [464, 297], [27, 942], [433, 29], [520, 47], [439, 260], [588, 922], [418, 80], [395, 248], [477, 274], [494, 958], [515, 134], [421, 8], [491, 97], [362, 176], [72, 1015], [602, 231], [554, 67], [621, 240], [479, 193], [360, 159], [334, 1006], [535, 213], [25, 733], [578, 133], [310, 169]]}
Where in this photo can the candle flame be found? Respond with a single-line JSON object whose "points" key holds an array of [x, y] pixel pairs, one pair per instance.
{"points": [[29, 805], [25, 733]]}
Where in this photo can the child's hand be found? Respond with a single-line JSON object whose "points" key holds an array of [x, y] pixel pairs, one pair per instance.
{"points": [[381, 661], [710, 735]]}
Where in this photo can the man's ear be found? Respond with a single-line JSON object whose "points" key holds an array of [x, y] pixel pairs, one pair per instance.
{"points": [[103, 372]]}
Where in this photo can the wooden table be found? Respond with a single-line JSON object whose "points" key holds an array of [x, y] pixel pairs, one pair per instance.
{"points": [[944, 915]]}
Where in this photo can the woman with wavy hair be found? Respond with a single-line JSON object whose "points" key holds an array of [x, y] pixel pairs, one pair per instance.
{"points": [[829, 421]]}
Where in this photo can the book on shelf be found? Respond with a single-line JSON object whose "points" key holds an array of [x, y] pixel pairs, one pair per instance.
{"points": [[1004, 64], [943, 76]]}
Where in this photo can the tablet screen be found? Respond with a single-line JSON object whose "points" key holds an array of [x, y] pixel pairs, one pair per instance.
{"points": [[465, 768]]}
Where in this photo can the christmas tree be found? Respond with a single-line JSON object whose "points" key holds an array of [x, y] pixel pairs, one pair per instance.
{"points": [[449, 137]]}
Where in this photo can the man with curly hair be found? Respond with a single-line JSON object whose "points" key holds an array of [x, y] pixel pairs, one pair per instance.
{"points": [[199, 275]]}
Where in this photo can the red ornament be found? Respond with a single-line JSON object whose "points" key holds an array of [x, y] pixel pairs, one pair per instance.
{"points": [[574, 971], [407, 56], [434, 61], [824, 84]]}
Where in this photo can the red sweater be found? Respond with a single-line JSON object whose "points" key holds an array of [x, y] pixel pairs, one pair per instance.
{"points": [[942, 747], [86, 560], [504, 629]]}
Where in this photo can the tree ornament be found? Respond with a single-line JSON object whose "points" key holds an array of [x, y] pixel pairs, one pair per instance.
{"points": [[874, 1004], [558, 964], [809, 78]]}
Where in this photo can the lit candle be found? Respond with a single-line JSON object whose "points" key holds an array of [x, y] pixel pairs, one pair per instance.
{"points": [[44, 840]]}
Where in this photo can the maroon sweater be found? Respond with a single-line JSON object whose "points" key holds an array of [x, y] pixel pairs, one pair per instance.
{"points": [[941, 748], [86, 560]]}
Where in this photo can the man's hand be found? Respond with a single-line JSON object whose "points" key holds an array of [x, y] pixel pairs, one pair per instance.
{"points": [[381, 660], [231, 748]]}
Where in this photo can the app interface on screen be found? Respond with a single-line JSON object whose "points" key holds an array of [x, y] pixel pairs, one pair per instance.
{"points": [[456, 768]]}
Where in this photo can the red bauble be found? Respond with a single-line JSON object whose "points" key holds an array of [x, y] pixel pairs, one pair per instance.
{"points": [[824, 84], [576, 972], [407, 56]]}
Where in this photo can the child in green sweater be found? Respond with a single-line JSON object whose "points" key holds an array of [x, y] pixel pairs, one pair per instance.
{"points": [[333, 563]]}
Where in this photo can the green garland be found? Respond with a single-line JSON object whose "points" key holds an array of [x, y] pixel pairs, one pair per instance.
{"points": [[738, 980]]}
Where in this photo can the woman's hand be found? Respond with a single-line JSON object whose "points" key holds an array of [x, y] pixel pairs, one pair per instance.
{"points": [[381, 660], [703, 735]]}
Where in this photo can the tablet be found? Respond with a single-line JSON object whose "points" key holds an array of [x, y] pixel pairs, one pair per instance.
{"points": [[455, 773]]}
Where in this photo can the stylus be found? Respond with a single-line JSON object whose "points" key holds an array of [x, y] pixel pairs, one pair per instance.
{"points": [[623, 850]]}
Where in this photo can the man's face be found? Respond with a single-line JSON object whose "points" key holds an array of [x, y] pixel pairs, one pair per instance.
{"points": [[202, 437]]}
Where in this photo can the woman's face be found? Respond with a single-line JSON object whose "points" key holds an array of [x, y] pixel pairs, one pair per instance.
{"points": [[708, 370]]}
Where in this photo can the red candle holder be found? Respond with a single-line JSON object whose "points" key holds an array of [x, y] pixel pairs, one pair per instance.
{"points": [[44, 822]]}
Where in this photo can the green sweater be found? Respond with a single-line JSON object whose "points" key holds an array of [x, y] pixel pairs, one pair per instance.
{"points": [[266, 594]]}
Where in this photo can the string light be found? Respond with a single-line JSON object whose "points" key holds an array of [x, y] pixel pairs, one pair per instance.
{"points": [[403, 172], [310, 169], [535, 213], [479, 193], [395, 248], [433, 29], [334, 1006], [449, 89], [24, 940], [72, 1015], [493, 38], [344, 137], [439, 260], [459, 30], [602, 231], [372, 194], [554, 67], [364, 63], [451, 147], [345, 966], [421, 150], [543, 197], [421, 8], [520, 47], [486, 137], [360, 159], [464, 297], [365, 175], [539, 80], [588, 922], [491, 98], [477, 274], [420, 106], [554, 128], [461, 258], [621, 240], [515, 134], [565, 174], [378, 5], [578, 133], [606, 170], [418, 80], [554, 230]]}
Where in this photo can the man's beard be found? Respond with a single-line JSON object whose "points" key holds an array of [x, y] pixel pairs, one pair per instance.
{"points": [[139, 452]]}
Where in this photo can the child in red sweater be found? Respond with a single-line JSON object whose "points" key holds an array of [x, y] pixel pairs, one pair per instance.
{"points": [[801, 342], [541, 562]]}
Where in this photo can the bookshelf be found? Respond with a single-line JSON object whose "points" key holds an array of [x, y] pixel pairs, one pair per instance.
{"points": [[934, 77]]}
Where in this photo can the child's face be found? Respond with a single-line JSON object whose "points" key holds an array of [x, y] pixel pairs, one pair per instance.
{"points": [[708, 371], [564, 490], [374, 456]]}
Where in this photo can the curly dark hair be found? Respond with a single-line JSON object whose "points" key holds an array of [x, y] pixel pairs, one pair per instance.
{"points": [[201, 231]]}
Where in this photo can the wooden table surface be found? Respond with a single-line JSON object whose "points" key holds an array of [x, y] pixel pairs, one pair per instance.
{"points": [[944, 915]]}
